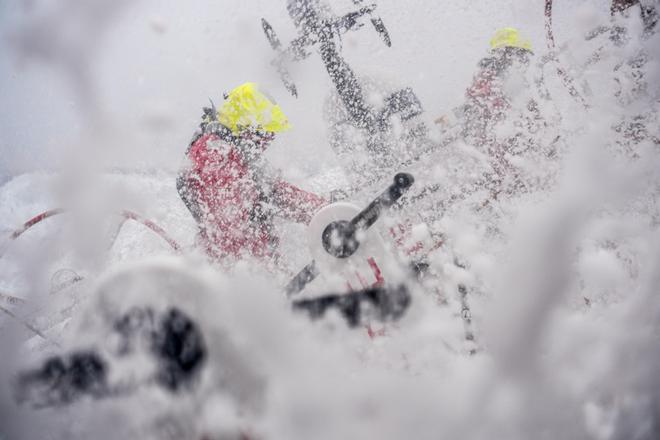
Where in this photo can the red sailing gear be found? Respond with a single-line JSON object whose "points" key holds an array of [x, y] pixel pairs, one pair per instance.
{"points": [[233, 202], [486, 104]]}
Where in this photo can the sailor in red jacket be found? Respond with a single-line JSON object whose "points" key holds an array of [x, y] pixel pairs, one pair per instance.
{"points": [[227, 186]]}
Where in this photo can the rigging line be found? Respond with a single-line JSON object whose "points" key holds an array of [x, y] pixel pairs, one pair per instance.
{"points": [[29, 326], [566, 80]]}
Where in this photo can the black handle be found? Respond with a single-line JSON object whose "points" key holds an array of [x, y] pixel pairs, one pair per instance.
{"points": [[339, 238]]}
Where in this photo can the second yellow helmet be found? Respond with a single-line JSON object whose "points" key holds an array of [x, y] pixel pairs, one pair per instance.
{"points": [[509, 37]]}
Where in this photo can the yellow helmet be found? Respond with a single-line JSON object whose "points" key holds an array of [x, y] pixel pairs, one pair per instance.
{"points": [[246, 106], [509, 37]]}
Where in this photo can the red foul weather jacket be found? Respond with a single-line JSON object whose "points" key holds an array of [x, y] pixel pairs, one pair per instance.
{"points": [[234, 203]]}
